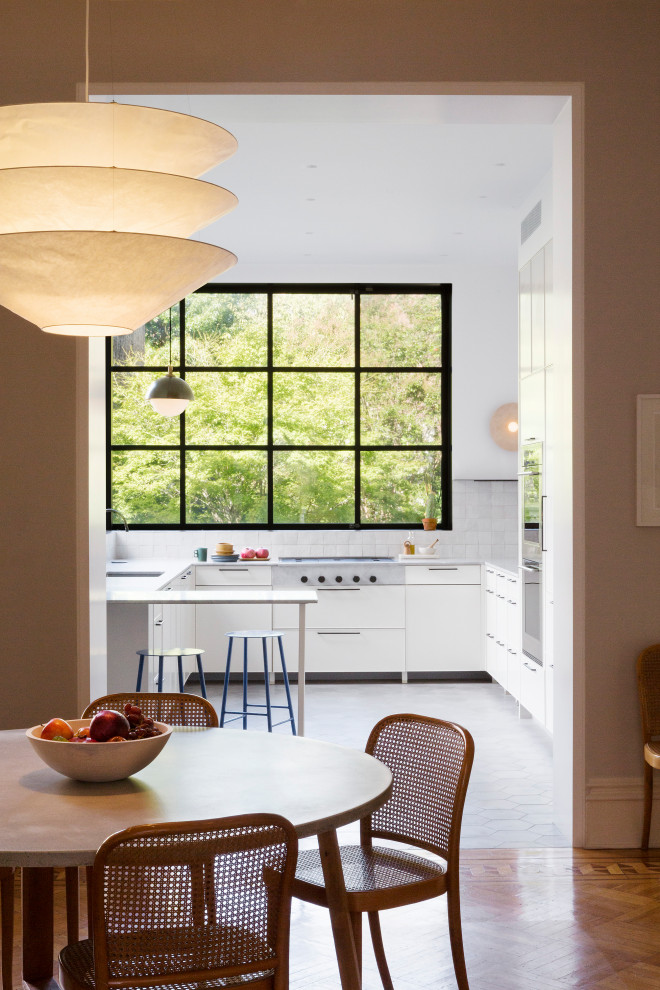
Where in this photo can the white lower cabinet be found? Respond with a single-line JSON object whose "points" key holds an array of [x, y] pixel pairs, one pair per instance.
{"points": [[532, 688], [212, 622], [350, 630], [443, 618], [503, 628]]}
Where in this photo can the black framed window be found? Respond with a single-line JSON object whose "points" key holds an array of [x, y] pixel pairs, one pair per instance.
{"points": [[326, 406]]}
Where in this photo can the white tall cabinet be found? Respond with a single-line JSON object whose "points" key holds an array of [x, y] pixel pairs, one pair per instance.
{"points": [[535, 400]]}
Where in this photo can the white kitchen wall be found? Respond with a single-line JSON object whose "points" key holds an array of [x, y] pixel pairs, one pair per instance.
{"points": [[485, 527]]}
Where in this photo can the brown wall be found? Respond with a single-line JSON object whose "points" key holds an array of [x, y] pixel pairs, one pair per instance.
{"points": [[611, 47]]}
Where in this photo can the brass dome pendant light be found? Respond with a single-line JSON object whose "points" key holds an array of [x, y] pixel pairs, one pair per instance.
{"points": [[97, 202], [169, 395]]}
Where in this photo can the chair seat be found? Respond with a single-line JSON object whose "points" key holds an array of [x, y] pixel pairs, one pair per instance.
{"points": [[375, 878], [77, 971], [255, 633], [652, 754], [177, 651]]}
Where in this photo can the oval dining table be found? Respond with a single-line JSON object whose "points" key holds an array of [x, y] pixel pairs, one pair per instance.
{"points": [[49, 821]]}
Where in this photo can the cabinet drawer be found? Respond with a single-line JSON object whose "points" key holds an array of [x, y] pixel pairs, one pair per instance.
{"points": [[235, 575], [532, 688], [352, 608], [347, 651], [443, 574]]}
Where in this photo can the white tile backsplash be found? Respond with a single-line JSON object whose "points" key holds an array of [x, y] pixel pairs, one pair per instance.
{"points": [[485, 518]]}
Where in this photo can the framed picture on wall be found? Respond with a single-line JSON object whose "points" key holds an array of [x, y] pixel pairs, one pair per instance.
{"points": [[648, 460]]}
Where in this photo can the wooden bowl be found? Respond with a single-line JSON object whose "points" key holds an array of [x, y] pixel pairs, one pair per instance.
{"points": [[98, 761]]}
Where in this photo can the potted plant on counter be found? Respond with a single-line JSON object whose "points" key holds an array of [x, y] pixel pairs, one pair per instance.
{"points": [[430, 520]]}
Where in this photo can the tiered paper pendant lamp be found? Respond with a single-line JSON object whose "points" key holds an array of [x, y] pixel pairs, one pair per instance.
{"points": [[97, 202]]}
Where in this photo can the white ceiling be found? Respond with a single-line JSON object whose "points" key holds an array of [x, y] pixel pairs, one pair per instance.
{"points": [[374, 180]]}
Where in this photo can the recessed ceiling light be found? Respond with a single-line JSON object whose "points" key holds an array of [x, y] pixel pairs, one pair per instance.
{"points": [[311, 199], [312, 166], [483, 197], [458, 233], [309, 231], [500, 164]]}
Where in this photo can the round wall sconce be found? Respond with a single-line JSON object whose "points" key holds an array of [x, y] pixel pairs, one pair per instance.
{"points": [[504, 426]]}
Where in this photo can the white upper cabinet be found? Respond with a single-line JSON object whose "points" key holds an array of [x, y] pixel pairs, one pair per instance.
{"points": [[535, 287], [525, 320], [538, 310]]}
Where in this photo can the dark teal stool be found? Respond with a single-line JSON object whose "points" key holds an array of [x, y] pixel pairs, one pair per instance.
{"points": [[179, 652], [263, 635]]}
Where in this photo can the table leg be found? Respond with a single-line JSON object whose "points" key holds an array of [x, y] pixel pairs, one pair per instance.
{"points": [[301, 670], [340, 919], [37, 883]]}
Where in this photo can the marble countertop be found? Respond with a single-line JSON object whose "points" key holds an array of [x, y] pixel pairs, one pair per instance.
{"points": [[139, 579]]}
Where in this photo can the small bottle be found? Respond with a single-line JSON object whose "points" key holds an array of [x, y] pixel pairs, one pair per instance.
{"points": [[411, 543]]}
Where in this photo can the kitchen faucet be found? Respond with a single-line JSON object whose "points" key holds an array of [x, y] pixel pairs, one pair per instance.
{"points": [[121, 516]]}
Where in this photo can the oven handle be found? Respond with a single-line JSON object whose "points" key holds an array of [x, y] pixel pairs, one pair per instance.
{"points": [[531, 570]]}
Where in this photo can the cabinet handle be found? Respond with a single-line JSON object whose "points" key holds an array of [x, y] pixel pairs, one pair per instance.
{"points": [[499, 642], [444, 569], [158, 622], [324, 633], [543, 546], [490, 636], [533, 669], [233, 569]]}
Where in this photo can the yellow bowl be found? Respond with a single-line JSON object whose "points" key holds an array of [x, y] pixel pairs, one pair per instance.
{"points": [[98, 761]]}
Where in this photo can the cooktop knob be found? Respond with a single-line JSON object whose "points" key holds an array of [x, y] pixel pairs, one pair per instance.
{"points": [[356, 579], [372, 579], [339, 579], [321, 579], [304, 579]]}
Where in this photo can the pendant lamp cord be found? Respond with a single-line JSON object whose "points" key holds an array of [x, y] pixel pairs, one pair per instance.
{"points": [[87, 52], [170, 338]]}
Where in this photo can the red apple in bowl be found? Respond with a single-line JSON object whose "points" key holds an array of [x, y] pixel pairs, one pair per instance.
{"points": [[261, 553], [107, 724], [247, 553]]}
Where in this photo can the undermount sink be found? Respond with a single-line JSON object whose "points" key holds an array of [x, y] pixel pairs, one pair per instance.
{"points": [[124, 574]]}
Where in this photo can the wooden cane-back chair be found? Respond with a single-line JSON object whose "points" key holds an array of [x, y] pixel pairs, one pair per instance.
{"points": [[189, 904], [174, 709], [648, 684], [7, 908], [431, 762]]}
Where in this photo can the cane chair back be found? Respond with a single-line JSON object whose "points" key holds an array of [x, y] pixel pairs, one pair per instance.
{"points": [[648, 685], [648, 682], [173, 709], [187, 904], [430, 762]]}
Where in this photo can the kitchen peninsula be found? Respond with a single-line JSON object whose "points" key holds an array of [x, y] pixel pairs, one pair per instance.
{"points": [[129, 614]]}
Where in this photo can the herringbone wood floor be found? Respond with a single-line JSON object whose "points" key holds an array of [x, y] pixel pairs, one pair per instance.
{"points": [[533, 920]]}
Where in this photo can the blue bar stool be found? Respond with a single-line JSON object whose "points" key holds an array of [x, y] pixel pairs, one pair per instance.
{"points": [[263, 635], [179, 652]]}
